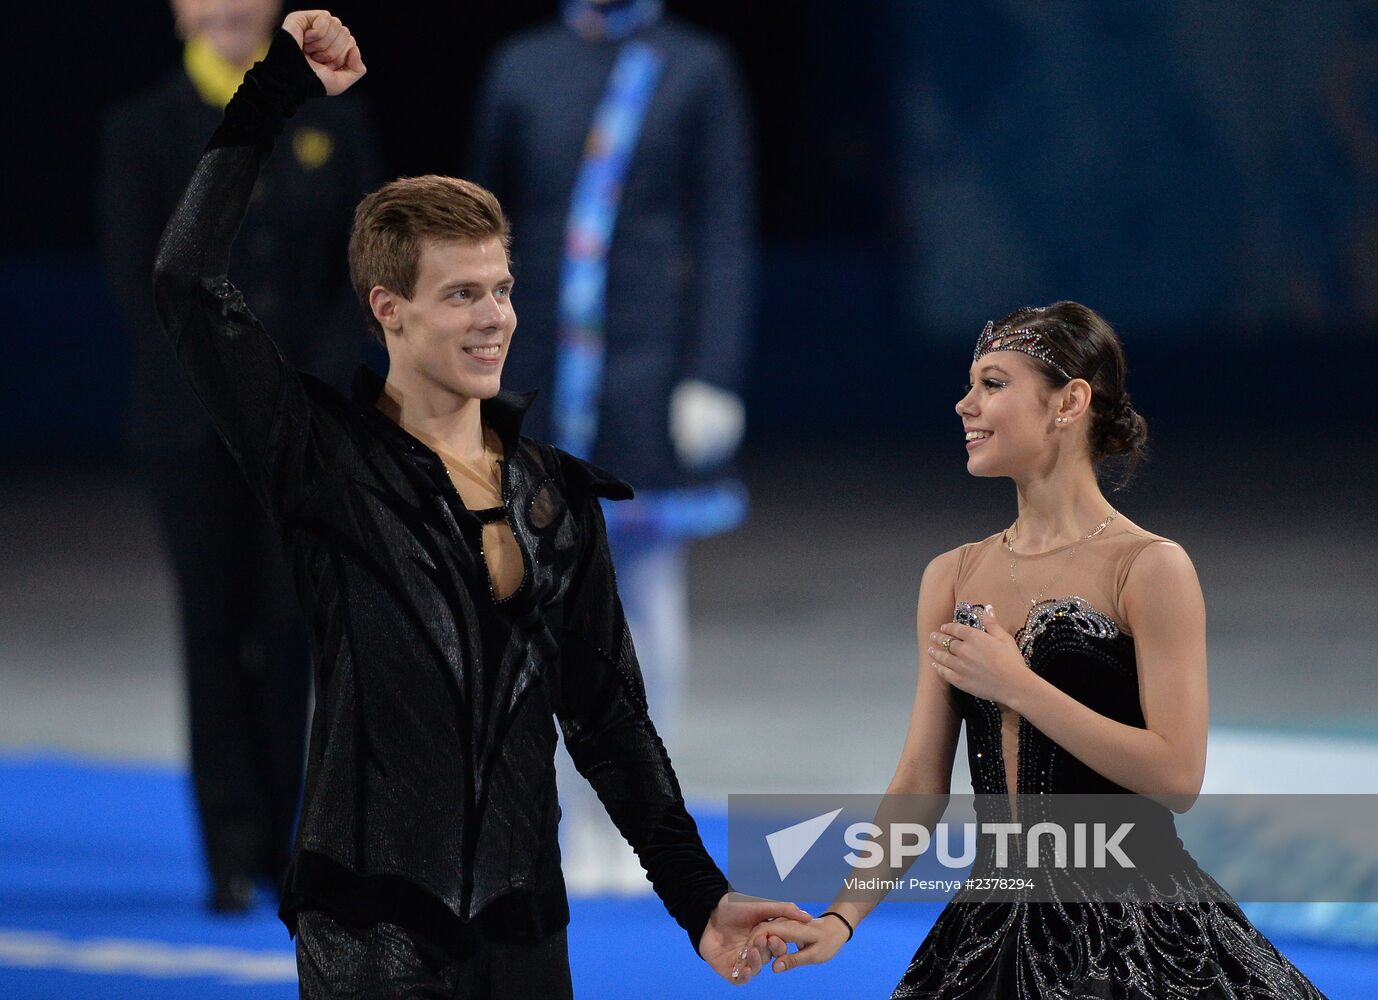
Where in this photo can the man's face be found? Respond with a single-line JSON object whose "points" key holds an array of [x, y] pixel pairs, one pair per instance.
{"points": [[453, 333]]}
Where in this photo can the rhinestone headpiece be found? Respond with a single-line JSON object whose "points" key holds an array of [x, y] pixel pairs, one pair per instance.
{"points": [[1025, 340]]}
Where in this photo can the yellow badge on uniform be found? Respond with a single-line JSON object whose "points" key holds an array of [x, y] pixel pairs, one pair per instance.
{"points": [[312, 147]]}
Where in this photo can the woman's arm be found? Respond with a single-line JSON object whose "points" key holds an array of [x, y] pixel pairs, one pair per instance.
{"points": [[924, 768], [930, 743]]}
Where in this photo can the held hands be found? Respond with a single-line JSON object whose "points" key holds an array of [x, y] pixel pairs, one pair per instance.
{"points": [[983, 664], [817, 941], [727, 943], [329, 48]]}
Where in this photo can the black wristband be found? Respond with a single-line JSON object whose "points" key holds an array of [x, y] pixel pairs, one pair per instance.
{"points": [[845, 922]]}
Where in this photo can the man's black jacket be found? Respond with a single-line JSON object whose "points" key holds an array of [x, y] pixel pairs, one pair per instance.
{"points": [[431, 763]]}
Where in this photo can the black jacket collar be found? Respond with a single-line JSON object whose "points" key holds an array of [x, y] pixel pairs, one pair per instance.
{"points": [[504, 412]]}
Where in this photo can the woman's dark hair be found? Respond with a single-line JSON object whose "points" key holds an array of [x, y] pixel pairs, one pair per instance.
{"points": [[1087, 347]]}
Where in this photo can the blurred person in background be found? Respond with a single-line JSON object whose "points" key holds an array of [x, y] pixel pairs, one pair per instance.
{"points": [[243, 642], [618, 142]]}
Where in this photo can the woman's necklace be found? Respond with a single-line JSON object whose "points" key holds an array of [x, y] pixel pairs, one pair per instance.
{"points": [[1010, 534]]}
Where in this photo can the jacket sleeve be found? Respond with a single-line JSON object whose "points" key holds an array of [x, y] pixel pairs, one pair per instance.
{"points": [[255, 399], [609, 733], [721, 211]]}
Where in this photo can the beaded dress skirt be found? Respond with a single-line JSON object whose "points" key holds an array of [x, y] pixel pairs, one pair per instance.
{"points": [[1191, 940]]}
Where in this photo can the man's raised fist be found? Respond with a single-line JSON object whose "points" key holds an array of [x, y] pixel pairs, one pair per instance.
{"points": [[330, 49]]}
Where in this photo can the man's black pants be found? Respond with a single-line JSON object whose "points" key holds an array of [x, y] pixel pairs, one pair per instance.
{"points": [[383, 961]]}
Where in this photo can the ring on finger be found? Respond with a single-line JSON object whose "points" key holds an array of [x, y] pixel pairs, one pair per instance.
{"points": [[946, 644]]}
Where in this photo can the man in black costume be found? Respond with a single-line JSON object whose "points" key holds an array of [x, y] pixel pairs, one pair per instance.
{"points": [[446, 631], [243, 641]]}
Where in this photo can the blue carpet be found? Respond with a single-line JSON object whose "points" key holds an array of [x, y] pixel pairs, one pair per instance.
{"points": [[101, 887]]}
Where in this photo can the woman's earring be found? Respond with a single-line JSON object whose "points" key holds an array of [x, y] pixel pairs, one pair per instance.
{"points": [[1062, 420]]}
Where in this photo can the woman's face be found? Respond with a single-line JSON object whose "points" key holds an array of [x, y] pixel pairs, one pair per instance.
{"points": [[1009, 416]]}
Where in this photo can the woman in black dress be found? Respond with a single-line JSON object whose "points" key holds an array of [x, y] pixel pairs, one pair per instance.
{"points": [[1072, 645]]}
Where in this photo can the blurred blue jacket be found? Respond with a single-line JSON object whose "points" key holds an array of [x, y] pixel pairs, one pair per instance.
{"points": [[681, 271]]}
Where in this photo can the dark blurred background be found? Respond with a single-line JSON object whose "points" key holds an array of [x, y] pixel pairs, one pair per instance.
{"points": [[1201, 173], [1205, 174]]}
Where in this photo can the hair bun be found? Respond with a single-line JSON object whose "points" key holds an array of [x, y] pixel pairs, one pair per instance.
{"points": [[1122, 429]]}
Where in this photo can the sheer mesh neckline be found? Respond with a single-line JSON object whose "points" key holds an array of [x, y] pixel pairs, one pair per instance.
{"points": [[1095, 572], [1104, 536]]}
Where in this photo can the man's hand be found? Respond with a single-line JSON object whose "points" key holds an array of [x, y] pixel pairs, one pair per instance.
{"points": [[726, 942], [329, 48]]}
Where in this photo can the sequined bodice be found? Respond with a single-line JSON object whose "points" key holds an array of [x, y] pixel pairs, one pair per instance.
{"points": [[1079, 649]]}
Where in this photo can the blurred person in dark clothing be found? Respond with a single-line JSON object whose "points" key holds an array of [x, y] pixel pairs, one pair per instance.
{"points": [[618, 141], [244, 646]]}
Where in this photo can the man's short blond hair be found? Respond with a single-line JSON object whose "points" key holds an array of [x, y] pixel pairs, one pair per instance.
{"points": [[390, 224]]}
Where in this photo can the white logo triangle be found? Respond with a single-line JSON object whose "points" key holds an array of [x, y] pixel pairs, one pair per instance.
{"points": [[788, 846]]}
